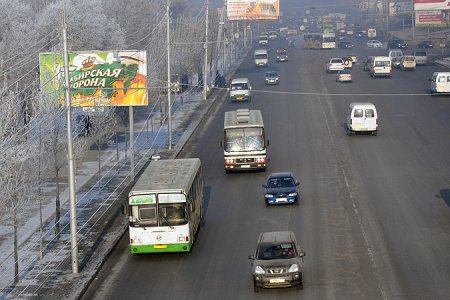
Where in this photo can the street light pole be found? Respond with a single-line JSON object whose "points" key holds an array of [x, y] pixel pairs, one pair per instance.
{"points": [[205, 67], [169, 83]]}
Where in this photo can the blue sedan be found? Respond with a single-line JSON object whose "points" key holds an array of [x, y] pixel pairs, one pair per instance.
{"points": [[281, 188]]}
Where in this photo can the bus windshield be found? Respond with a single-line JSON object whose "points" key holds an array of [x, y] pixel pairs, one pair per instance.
{"points": [[170, 210], [244, 139]]}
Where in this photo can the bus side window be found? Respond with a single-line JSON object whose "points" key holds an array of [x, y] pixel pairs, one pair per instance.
{"points": [[441, 79], [448, 78]]}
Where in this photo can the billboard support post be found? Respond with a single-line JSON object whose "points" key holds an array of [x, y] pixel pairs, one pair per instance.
{"points": [[131, 117]]}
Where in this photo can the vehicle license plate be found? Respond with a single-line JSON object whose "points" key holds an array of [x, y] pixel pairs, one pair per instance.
{"points": [[281, 199], [245, 166], [160, 246], [276, 280]]}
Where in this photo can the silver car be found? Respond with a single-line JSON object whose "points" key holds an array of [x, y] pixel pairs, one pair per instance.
{"points": [[272, 77], [277, 262], [374, 44]]}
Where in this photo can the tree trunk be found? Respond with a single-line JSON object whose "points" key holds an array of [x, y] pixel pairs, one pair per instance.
{"points": [[16, 246], [99, 148], [58, 208]]}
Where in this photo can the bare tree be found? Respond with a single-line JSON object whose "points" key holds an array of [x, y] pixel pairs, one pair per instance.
{"points": [[16, 179]]}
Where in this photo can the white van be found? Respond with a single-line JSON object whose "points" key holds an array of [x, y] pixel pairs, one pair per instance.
{"points": [[421, 57], [362, 117], [240, 90], [261, 57], [440, 83], [381, 66]]}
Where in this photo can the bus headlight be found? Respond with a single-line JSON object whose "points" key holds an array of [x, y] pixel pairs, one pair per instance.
{"points": [[260, 159], [229, 161], [246, 94], [135, 241], [269, 196], [181, 239], [292, 194]]}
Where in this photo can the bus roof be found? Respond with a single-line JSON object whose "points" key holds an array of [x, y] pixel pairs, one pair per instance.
{"points": [[167, 175], [243, 118]]}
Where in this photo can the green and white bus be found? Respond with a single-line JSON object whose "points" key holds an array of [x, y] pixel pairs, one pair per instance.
{"points": [[165, 206]]}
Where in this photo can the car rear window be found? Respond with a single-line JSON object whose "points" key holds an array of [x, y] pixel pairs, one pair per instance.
{"points": [[370, 113], [358, 113], [420, 53]]}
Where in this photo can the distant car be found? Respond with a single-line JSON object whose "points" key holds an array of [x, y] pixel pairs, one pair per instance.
{"points": [[282, 55], [272, 77], [263, 40], [277, 261], [348, 62], [425, 44], [350, 32], [397, 43], [345, 45], [368, 63], [344, 76], [395, 62], [408, 62], [374, 44], [273, 35], [354, 57], [281, 188], [335, 64]]}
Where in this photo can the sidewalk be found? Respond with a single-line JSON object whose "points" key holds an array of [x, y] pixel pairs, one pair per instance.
{"points": [[99, 207]]}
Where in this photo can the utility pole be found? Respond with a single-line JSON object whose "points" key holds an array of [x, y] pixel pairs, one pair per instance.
{"points": [[205, 70], [413, 21], [169, 83], [72, 194], [387, 19]]}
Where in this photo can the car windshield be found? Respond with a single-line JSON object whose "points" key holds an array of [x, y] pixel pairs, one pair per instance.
{"points": [[281, 182], [239, 86], [271, 74], [268, 251], [336, 61]]}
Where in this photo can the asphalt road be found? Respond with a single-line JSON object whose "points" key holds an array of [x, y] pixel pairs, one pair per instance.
{"points": [[374, 216]]}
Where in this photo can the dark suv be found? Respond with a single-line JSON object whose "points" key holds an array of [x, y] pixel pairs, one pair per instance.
{"points": [[278, 261], [345, 45], [397, 43]]}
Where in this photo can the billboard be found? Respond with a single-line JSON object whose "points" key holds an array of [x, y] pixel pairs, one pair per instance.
{"points": [[253, 10], [431, 4], [430, 18], [97, 78]]}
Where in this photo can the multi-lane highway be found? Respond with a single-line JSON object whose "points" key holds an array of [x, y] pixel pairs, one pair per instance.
{"points": [[374, 214]]}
